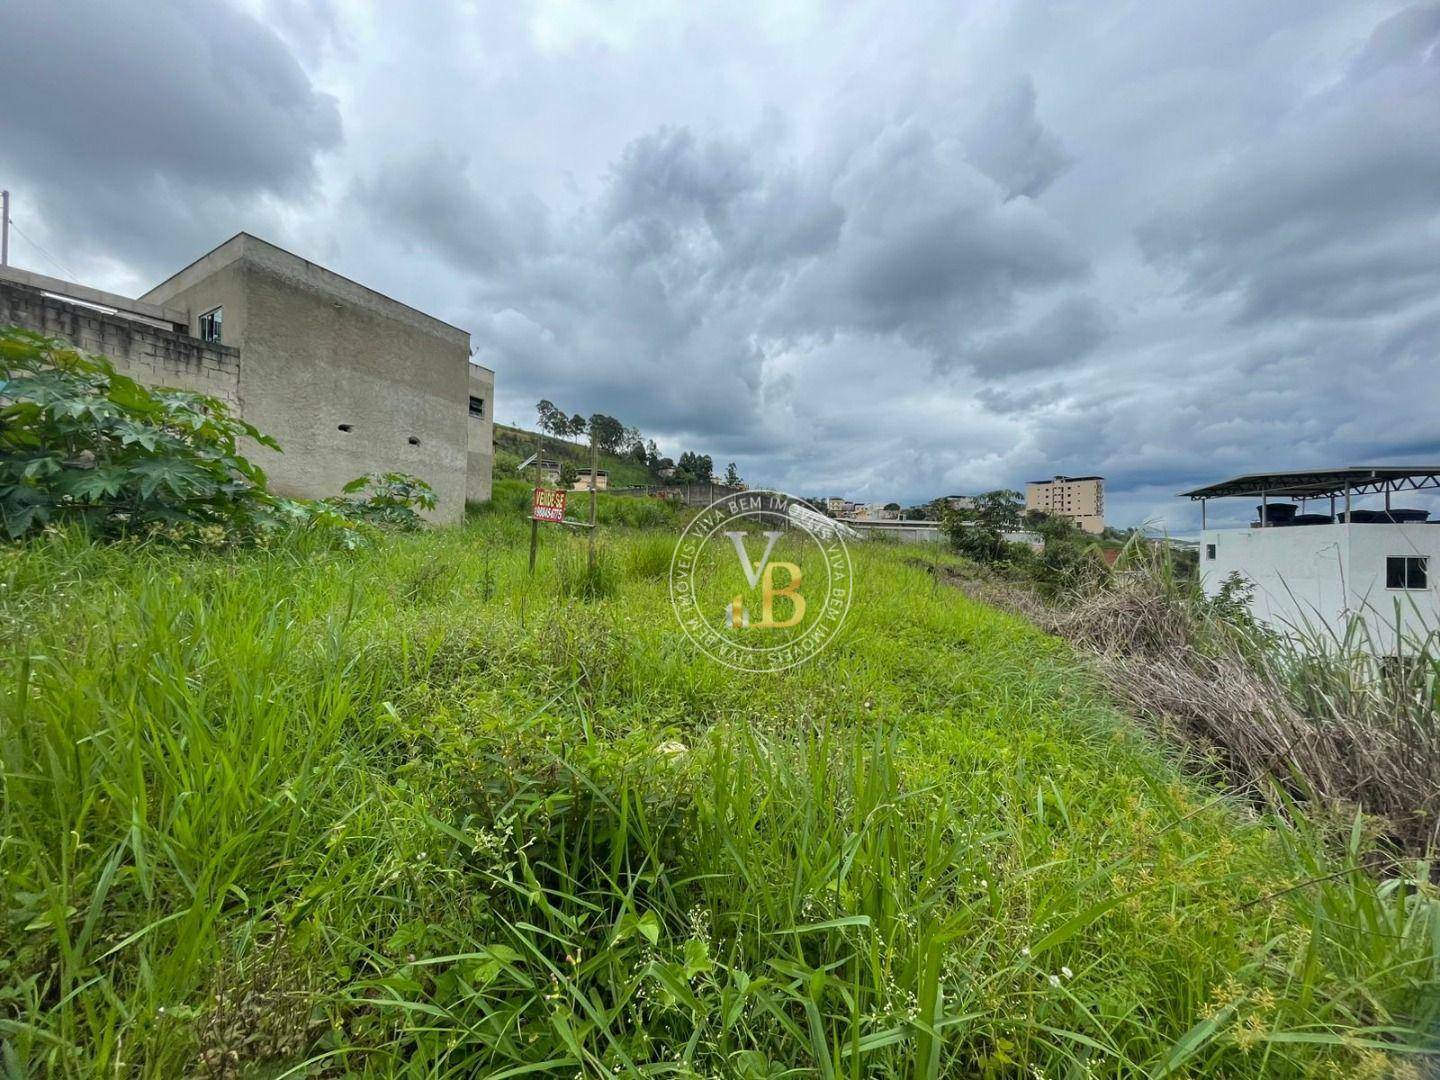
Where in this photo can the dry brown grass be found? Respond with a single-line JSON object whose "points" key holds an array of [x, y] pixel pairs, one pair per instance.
{"points": [[1331, 729]]}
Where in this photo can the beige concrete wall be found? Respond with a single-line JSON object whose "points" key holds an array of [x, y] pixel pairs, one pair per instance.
{"points": [[480, 461], [347, 390], [347, 380], [145, 353]]}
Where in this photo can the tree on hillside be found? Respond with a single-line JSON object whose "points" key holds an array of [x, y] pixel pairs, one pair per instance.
{"points": [[551, 419], [577, 426], [652, 455], [979, 532], [695, 468], [607, 432], [1071, 556], [732, 476]]}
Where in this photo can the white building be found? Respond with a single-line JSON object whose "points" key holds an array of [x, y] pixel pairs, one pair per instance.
{"points": [[1314, 571]]}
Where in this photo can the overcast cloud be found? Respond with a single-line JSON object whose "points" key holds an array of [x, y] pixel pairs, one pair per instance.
{"points": [[864, 249]]}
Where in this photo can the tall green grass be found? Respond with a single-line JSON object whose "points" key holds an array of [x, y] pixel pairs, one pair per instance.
{"points": [[409, 811], [513, 496]]}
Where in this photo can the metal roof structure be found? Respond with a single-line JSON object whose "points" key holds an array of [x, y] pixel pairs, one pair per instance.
{"points": [[1324, 483]]}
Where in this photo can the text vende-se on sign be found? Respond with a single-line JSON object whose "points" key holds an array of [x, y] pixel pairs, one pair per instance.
{"points": [[548, 505]]}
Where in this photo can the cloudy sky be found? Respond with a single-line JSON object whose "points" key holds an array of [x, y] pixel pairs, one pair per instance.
{"points": [[874, 249]]}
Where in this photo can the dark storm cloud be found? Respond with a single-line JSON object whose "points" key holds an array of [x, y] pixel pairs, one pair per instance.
{"points": [[1060, 337], [152, 127], [1010, 145], [932, 250], [438, 209], [669, 192], [1323, 211], [698, 260]]}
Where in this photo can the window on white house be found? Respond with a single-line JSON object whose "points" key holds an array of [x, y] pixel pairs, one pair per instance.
{"points": [[210, 325], [1209, 551], [477, 407], [1406, 571]]}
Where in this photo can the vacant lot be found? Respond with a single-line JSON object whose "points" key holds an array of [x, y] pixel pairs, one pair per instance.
{"points": [[400, 809]]}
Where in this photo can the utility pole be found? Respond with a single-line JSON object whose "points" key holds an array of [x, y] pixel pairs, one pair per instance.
{"points": [[4, 228]]}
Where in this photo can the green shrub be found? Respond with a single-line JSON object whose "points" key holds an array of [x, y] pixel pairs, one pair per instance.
{"points": [[82, 444], [391, 499]]}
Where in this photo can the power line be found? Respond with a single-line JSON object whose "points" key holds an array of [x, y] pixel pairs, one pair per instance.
{"points": [[53, 261]]}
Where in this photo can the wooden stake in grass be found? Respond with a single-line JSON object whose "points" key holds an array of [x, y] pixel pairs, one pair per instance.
{"points": [[534, 522], [594, 464]]}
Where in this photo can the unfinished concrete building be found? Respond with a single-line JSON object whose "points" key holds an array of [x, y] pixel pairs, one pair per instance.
{"points": [[347, 380]]}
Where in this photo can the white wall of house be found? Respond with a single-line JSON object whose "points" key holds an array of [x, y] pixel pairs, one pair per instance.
{"points": [[1317, 576]]}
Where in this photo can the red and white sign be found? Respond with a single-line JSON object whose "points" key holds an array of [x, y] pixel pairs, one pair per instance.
{"points": [[549, 504]]}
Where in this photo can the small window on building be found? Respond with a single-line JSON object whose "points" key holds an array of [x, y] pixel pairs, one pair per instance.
{"points": [[1406, 571], [210, 325], [477, 407], [1209, 551]]}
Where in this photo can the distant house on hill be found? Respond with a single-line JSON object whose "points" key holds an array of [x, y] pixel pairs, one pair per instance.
{"points": [[582, 480]]}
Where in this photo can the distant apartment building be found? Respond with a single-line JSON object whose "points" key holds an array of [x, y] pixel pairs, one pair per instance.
{"points": [[958, 502], [835, 506], [1081, 499], [347, 380]]}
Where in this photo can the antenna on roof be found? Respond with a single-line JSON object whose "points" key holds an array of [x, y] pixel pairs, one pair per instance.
{"points": [[4, 228]]}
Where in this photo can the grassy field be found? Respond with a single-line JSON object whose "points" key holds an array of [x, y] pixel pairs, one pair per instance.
{"points": [[402, 810]]}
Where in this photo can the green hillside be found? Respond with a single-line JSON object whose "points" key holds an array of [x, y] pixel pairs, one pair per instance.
{"points": [[514, 445]]}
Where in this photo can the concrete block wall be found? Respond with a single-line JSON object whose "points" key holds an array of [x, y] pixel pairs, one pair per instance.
{"points": [[148, 354]]}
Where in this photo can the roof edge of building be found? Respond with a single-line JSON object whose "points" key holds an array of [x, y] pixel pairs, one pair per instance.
{"points": [[249, 247]]}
